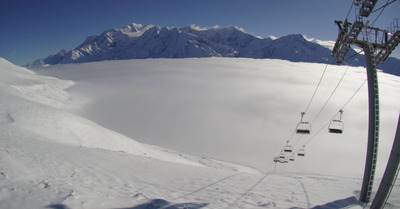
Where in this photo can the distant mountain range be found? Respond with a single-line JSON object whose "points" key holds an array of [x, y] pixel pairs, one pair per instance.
{"points": [[137, 41]]}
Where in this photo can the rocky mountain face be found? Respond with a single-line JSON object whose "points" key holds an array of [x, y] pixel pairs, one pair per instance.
{"points": [[137, 41]]}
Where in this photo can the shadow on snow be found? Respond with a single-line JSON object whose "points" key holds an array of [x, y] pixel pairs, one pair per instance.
{"points": [[163, 204], [152, 204], [58, 206], [343, 203]]}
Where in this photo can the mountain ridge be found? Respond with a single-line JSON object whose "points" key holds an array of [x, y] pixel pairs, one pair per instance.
{"points": [[137, 41]]}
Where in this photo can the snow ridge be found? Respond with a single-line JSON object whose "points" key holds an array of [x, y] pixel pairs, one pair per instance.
{"points": [[39, 107]]}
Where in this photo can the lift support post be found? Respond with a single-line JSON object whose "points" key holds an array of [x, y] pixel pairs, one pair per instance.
{"points": [[376, 52], [391, 172]]}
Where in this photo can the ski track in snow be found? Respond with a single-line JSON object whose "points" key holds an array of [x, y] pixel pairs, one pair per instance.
{"points": [[223, 189], [74, 163], [207, 187]]}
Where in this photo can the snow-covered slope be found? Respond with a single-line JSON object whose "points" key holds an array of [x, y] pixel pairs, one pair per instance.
{"points": [[39, 107], [137, 41], [50, 157]]}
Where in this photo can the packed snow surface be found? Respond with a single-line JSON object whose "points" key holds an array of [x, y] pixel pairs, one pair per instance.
{"points": [[57, 149]]}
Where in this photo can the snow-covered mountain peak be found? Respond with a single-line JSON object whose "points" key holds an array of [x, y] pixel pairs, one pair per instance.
{"points": [[272, 37], [232, 27], [294, 37], [326, 44], [135, 30], [137, 41], [219, 29]]}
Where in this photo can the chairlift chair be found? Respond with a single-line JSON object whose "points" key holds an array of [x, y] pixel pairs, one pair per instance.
{"points": [[303, 127], [283, 158], [302, 151], [288, 148], [336, 126], [291, 158]]}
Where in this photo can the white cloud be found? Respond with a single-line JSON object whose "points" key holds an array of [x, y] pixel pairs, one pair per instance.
{"points": [[196, 27], [237, 110]]}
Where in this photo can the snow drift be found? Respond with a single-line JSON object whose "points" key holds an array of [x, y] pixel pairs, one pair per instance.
{"points": [[38, 105]]}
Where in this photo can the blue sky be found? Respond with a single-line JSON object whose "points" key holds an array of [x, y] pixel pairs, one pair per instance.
{"points": [[32, 29]]}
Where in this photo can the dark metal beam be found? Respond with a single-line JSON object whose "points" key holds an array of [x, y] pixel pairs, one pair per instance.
{"points": [[373, 124], [388, 47], [389, 178], [382, 49]]}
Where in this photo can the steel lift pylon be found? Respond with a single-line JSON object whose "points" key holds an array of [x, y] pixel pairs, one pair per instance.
{"points": [[376, 52]]}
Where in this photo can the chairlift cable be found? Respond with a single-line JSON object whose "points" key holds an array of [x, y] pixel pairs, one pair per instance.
{"points": [[351, 6], [320, 102], [384, 6], [326, 66], [292, 135], [354, 55], [325, 105], [348, 101], [331, 95], [323, 127], [380, 12], [354, 94], [298, 140], [308, 106], [315, 91]]}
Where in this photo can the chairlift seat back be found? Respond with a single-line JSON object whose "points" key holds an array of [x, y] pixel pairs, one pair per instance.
{"points": [[303, 128], [336, 126], [335, 131], [288, 149]]}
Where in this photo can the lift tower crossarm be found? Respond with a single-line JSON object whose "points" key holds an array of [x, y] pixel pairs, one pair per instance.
{"points": [[344, 43], [341, 36], [388, 47]]}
